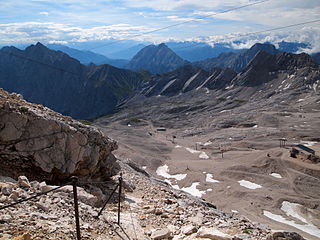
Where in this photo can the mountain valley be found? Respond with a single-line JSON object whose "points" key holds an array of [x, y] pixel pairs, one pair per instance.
{"points": [[218, 137], [239, 131]]}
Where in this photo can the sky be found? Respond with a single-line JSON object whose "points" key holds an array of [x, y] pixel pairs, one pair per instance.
{"points": [[66, 21]]}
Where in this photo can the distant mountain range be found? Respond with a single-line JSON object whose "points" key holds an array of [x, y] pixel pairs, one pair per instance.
{"points": [[236, 61], [88, 57], [156, 59], [58, 81], [62, 83], [295, 71]]}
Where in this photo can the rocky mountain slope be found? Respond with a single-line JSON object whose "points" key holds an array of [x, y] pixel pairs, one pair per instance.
{"points": [[45, 145], [223, 143], [187, 78], [235, 61], [263, 68], [156, 59], [60, 82], [316, 57]]}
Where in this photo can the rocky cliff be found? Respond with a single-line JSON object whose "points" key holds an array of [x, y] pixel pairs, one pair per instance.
{"points": [[44, 145]]}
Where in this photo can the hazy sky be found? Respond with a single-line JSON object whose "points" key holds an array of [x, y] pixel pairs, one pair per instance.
{"points": [[29, 21]]}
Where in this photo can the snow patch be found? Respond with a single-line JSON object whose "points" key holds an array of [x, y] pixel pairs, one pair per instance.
{"points": [[144, 167], [203, 155], [193, 190], [224, 111], [300, 100], [209, 178], [255, 126], [164, 172], [276, 175], [192, 150], [308, 143], [293, 209], [207, 143], [177, 146], [248, 184]]}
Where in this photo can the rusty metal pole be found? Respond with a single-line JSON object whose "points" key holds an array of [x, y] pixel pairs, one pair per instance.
{"points": [[119, 200], [76, 207]]}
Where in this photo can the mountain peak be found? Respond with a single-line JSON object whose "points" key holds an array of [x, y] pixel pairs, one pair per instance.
{"points": [[156, 59], [267, 47]]}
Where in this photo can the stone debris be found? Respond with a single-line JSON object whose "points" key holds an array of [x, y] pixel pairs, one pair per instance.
{"points": [[152, 211], [160, 234], [212, 233]]}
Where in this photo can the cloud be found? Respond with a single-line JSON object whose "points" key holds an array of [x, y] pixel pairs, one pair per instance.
{"points": [[170, 5], [240, 40], [44, 13], [29, 32], [182, 19]]}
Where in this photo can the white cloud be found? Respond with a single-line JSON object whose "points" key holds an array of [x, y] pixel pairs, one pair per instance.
{"points": [[44, 13], [168, 5], [182, 19], [29, 32]]}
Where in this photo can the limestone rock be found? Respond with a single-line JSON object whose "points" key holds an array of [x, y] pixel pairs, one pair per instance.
{"points": [[5, 218], [6, 189], [49, 146], [160, 234], [189, 229], [213, 234], [23, 182]]}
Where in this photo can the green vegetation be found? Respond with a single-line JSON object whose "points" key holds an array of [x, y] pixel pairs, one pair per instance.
{"points": [[248, 230], [85, 122], [134, 120], [146, 75], [240, 100], [221, 99], [24, 109]]}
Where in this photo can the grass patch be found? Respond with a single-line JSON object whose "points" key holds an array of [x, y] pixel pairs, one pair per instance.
{"points": [[24, 109], [85, 122]]}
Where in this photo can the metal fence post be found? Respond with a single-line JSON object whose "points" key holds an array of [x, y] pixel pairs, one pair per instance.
{"points": [[119, 200], [76, 207]]}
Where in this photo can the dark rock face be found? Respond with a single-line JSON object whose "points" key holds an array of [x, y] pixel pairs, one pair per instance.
{"points": [[316, 58], [297, 70], [156, 59], [285, 236], [236, 61], [43, 144], [263, 66], [60, 82], [187, 78]]}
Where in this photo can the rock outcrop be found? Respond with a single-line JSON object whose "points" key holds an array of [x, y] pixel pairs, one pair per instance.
{"points": [[44, 145]]}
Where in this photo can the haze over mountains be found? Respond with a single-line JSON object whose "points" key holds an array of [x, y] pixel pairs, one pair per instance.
{"points": [[64, 84]]}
